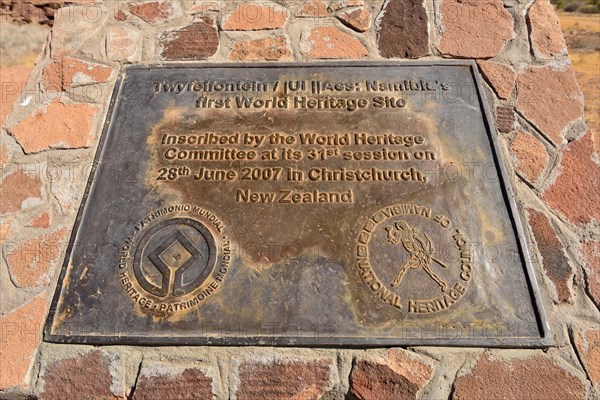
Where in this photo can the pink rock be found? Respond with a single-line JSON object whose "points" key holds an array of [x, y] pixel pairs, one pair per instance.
{"points": [[57, 126], [550, 99], [21, 332], [546, 34], [252, 16], [328, 42], [501, 77], [474, 29], [531, 155]]}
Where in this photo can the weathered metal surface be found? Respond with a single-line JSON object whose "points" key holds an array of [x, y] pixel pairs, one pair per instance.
{"points": [[323, 205]]}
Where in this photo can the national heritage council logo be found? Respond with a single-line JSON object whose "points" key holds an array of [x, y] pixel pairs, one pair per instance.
{"points": [[414, 258]]}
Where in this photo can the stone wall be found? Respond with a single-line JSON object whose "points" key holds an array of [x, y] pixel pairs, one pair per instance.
{"points": [[48, 141]]}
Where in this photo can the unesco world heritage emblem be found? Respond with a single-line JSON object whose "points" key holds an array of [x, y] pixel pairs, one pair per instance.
{"points": [[401, 262], [169, 262]]}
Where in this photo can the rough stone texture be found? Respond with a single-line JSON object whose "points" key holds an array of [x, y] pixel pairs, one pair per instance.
{"points": [[191, 384], [123, 44], [61, 74], [576, 191], [402, 30], [18, 187], [20, 332], [555, 263], [534, 378], [546, 35], [501, 77], [155, 12], [30, 263], [196, 41], [72, 27], [21, 11], [474, 29], [588, 347], [254, 16], [67, 191], [5, 231], [121, 16], [283, 380], [58, 126], [409, 365], [86, 376], [327, 42], [33, 11], [397, 377], [264, 49], [202, 6], [531, 155], [505, 119], [12, 81], [337, 5], [550, 99], [313, 8], [41, 221], [358, 20], [3, 156], [591, 254]]}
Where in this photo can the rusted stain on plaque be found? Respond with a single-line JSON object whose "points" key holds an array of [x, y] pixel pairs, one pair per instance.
{"points": [[356, 204]]}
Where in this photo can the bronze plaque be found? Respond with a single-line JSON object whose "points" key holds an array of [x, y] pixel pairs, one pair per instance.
{"points": [[356, 204]]}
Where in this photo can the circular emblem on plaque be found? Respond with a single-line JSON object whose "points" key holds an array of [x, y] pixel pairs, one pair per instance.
{"points": [[414, 258], [174, 259]]}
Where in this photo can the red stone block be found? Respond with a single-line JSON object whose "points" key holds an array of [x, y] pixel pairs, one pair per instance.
{"points": [[252, 16], [265, 49], [123, 43], [196, 41], [474, 29], [16, 188], [546, 35], [284, 380], [501, 77], [505, 119], [190, 384], [41, 221], [30, 262], [358, 19], [402, 30], [534, 378], [20, 332], [155, 12], [588, 347], [86, 376], [328, 42], [576, 191], [57, 126], [61, 74], [314, 8], [398, 376], [556, 265], [550, 99], [531, 155]]}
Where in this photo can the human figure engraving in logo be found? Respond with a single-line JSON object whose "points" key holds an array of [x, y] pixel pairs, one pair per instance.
{"points": [[420, 250]]}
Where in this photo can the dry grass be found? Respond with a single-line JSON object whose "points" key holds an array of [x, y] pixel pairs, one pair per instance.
{"points": [[21, 44], [583, 37], [579, 22]]}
